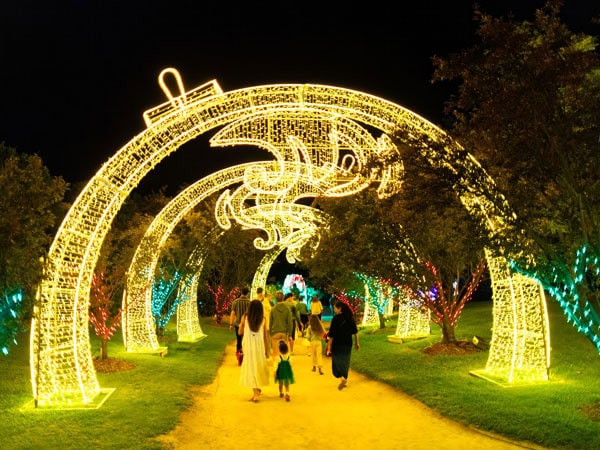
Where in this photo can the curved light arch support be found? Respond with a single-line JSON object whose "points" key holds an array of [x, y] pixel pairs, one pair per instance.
{"points": [[139, 334], [414, 321], [264, 267], [61, 363], [262, 271], [370, 313], [520, 348], [188, 323]]}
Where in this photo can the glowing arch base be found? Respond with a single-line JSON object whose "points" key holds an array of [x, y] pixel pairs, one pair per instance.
{"points": [[61, 365]]}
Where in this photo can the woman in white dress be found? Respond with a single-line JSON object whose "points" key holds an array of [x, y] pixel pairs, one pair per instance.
{"points": [[254, 371]]}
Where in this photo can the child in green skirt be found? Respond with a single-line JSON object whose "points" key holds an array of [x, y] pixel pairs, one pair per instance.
{"points": [[284, 373]]}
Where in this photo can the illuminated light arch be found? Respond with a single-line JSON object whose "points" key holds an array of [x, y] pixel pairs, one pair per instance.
{"points": [[188, 325], [188, 320], [262, 271], [61, 364], [264, 267], [414, 320], [370, 316], [138, 324], [531, 344], [378, 296]]}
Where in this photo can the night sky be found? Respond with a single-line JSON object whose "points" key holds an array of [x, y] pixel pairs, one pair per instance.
{"points": [[76, 77]]}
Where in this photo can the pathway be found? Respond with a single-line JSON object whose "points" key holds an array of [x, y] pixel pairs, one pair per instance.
{"points": [[367, 414]]}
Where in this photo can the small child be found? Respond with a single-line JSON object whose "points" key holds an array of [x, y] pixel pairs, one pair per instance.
{"points": [[314, 334], [284, 373]]}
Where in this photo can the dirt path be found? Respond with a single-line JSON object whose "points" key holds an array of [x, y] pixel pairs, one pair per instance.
{"points": [[367, 414]]}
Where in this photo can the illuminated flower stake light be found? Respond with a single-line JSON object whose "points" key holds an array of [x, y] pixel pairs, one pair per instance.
{"points": [[321, 138]]}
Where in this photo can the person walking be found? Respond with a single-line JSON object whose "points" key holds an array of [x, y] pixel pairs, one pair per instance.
{"points": [[280, 327], [255, 371], [339, 341], [291, 303], [303, 312], [284, 373], [316, 307], [266, 302], [238, 309], [314, 334]]}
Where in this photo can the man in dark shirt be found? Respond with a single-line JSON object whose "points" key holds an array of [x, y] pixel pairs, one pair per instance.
{"points": [[238, 309]]}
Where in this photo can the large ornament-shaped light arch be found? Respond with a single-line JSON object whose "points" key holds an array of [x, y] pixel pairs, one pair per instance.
{"points": [[61, 363]]}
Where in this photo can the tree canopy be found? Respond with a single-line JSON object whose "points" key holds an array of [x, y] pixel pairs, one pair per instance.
{"points": [[31, 204], [527, 107]]}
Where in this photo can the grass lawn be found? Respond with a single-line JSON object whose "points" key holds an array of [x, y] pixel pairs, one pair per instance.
{"points": [[549, 414], [149, 399]]}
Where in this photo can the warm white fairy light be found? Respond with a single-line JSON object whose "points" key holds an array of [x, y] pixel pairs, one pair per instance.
{"points": [[302, 223], [413, 317], [520, 347], [188, 325], [61, 363]]}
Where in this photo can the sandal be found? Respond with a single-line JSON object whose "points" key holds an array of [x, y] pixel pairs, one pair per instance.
{"points": [[281, 395], [287, 397], [342, 384]]}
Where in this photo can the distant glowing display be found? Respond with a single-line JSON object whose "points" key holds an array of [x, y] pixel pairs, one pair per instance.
{"points": [[322, 139], [10, 308]]}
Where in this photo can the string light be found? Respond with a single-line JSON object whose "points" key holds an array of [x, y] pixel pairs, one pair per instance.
{"points": [[9, 325], [321, 137]]}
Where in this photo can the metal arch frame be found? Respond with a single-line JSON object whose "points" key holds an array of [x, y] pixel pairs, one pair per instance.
{"points": [[61, 365]]}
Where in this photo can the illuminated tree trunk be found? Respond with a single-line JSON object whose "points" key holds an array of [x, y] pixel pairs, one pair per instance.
{"points": [[104, 349], [223, 301], [448, 336]]}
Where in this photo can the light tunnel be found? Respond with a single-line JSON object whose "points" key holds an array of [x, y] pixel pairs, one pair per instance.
{"points": [[321, 137]]}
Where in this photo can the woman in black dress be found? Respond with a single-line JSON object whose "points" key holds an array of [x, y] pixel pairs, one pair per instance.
{"points": [[339, 341]]}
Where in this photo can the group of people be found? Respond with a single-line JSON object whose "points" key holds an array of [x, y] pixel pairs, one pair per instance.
{"points": [[264, 330]]}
